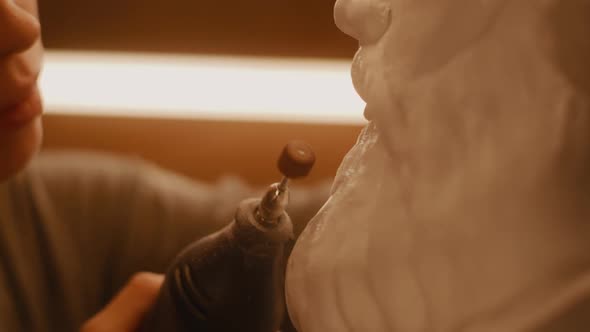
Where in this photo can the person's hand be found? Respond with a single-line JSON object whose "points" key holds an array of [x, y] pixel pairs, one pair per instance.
{"points": [[21, 55], [127, 310], [20, 51]]}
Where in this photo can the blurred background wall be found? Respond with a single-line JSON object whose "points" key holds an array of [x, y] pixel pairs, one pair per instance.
{"points": [[199, 147], [293, 28]]}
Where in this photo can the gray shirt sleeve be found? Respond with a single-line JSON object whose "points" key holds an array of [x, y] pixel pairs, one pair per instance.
{"points": [[75, 227]]}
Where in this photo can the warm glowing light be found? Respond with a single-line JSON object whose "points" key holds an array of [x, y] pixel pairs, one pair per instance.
{"points": [[227, 88]]}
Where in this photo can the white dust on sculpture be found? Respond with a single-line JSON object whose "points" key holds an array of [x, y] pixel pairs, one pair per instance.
{"points": [[465, 204]]}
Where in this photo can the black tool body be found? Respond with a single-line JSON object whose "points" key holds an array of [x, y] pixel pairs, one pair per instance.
{"points": [[232, 280]]}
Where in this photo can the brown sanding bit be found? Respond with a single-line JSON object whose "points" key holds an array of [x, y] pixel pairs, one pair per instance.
{"points": [[296, 161]]}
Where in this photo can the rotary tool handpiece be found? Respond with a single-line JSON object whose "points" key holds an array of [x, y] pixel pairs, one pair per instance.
{"points": [[233, 280]]}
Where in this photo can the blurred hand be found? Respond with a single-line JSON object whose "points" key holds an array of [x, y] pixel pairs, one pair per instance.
{"points": [[127, 310], [20, 51]]}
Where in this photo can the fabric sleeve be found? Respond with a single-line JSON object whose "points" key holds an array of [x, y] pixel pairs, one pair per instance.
{"points": [[113, 217]]}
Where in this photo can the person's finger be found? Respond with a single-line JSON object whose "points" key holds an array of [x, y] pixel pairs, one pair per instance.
{"points": [[18, 75], [126, 311], [19, 26], [21, 51]]}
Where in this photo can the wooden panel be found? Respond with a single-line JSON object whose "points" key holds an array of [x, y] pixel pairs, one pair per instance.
{"points": [[203, 149], [302, 28]]}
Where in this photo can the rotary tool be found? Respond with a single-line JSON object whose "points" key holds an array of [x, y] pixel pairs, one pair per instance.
{"points": [[233, 280]]}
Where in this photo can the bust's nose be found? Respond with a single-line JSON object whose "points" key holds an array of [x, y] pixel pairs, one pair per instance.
{"points": [[364, 20]]}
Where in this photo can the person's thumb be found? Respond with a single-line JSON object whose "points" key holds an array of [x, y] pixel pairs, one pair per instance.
{"points": [[126, 311], [19, 26]]}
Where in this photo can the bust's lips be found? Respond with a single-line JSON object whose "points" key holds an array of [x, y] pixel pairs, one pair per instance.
{"points": [[23, 113]]}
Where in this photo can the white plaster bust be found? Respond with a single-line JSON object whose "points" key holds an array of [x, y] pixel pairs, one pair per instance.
{"points": [[465, 204]]}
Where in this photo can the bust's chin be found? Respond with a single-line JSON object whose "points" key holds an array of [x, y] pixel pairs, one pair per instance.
{"points": [[18, 146]]}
